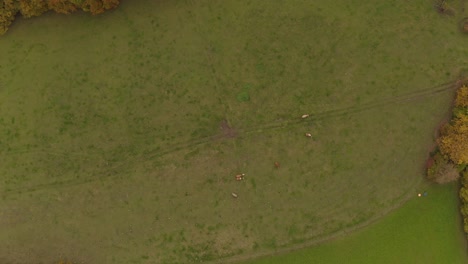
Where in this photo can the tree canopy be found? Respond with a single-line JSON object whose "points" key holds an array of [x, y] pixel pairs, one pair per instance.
{"points": [[30, 8], [453, 141], [451, 159]]}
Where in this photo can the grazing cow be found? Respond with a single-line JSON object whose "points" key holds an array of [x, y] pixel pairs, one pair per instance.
{"points": [[234, 195], [277, 165], [304, 116], [308, 135], [240, 177]]}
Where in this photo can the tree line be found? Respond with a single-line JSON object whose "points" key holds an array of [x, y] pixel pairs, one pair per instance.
{"points": [[9, 9], [449, 161]]}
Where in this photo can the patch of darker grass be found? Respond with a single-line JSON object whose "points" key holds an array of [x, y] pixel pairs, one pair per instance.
{"points": [[254, 185]]}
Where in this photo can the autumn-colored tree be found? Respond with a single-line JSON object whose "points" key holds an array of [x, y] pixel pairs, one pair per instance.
{"points": [[440, 170], [99, 6], [8, 11], [110, 4], [62, 6], [462, 97], [30, 8], [453, 149], [9, 5], [453, 141]]}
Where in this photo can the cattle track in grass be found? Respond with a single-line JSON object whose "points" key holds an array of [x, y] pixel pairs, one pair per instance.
{"points": [[113, 171]]}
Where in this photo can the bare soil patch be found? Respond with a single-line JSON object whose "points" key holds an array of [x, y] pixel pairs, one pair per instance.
{"points": [[227, 130]]}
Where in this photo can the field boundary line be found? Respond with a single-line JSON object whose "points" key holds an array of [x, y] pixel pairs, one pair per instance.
{"points": [[326, 238]]}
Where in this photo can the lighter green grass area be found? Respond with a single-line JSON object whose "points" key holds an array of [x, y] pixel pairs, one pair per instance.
{"points": [[424, 230], [110, 142]]}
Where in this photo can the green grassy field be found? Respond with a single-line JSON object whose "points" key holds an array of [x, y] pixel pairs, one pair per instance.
{"points": [[112, 141], [415, 233]]}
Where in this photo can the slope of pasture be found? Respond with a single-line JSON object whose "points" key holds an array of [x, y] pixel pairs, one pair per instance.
{"points": [[425, 230], [110, 134]]}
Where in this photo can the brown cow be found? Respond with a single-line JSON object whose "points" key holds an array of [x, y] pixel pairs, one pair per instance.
{"points": [[240, 177]]}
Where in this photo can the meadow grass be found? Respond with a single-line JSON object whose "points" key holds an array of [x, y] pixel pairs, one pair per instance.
{"points": [[424, 230], [111, 141]]}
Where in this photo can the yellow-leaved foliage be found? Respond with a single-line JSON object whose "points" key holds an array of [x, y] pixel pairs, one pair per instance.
{"points": [[453, 141], [462, 97], [30, 8], [8, 10]]}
